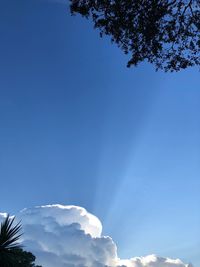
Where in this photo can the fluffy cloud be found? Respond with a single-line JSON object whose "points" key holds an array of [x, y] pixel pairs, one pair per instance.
{"points": [[69, 236], [153, 261]]}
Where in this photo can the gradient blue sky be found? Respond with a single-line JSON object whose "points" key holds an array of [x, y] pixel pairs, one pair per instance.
{"points": [[78, 127]]}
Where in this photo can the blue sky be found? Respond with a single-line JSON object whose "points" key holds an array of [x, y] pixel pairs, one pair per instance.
{"points": [[78, 127]]}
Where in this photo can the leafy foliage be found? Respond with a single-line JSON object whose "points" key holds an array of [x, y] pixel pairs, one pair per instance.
{"points": [[9, 235], [11, 253], [24, 259], [165, 33]]}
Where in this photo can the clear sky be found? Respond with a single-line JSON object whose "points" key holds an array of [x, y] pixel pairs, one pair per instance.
{"points": [[78, 127]]}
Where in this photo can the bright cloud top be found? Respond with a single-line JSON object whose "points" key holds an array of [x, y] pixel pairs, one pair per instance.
{"points": [[69, 236], [63, 216]]}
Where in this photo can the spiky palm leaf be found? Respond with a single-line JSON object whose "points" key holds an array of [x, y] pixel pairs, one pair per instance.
{"points": [[9, 237]]}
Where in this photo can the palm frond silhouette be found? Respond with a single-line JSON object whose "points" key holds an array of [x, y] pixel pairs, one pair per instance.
{"points": [[10, 234]]}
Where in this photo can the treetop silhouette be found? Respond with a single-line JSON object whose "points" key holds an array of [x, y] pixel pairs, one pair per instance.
{"points": [[165, 33]]}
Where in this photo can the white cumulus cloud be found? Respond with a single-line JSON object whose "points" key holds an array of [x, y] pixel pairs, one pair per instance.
{"points": [[69, 236]]}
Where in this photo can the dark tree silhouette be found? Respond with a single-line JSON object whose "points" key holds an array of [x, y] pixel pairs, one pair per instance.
{"points": [[11, 252], [24, 259], [9, 235], [165, 33]]}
